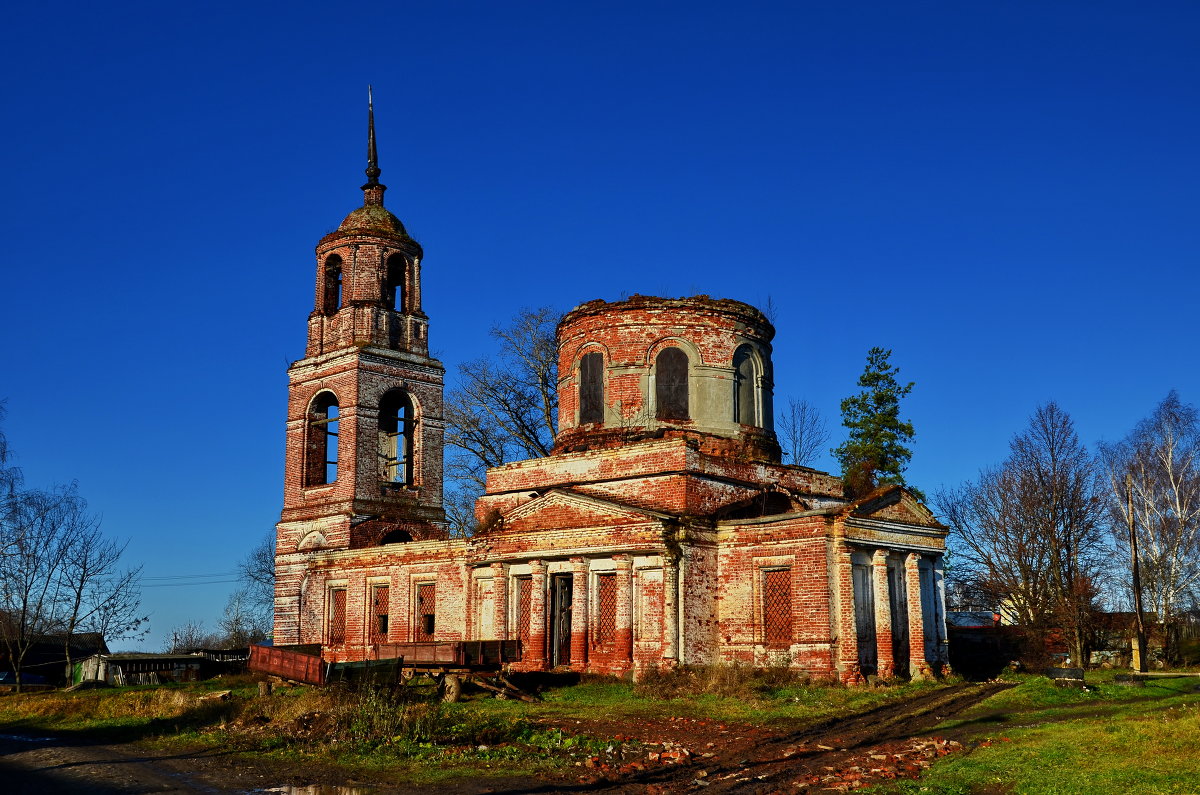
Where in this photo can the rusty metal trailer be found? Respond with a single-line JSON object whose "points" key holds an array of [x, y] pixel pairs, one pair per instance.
{"points": [[448, 663]]}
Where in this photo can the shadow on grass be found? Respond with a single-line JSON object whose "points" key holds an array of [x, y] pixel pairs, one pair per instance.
{"points": [[126, 730]]}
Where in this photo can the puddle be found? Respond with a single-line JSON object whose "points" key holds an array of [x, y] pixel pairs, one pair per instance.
{"points": [[24, 738], [317, 789]]}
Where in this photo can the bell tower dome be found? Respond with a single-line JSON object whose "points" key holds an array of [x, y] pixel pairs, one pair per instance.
{"points": [[368, 289], [365, 429]]}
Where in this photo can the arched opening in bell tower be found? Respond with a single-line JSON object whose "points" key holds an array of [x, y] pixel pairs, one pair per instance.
{"points": [[322, 464], [396, 434], [394, 284], [331, 298]]}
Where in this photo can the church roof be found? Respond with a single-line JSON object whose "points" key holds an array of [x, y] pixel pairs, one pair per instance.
{"points": [[372, 218]]}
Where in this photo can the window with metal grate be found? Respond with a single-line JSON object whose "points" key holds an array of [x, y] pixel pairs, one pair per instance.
{"points": [[524, 607], [379, 613], [426, 623], [606, 610], [337, 615], [777, 607]]}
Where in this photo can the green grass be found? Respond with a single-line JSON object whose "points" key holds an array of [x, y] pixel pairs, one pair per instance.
{"points": [[421, 741], [1033, 738], [1036, 738], [741, 697]]}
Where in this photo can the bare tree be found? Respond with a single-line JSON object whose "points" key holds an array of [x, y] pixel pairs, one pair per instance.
{"points": [[460, 511], [58, 574], [802, 432], [191, 635], [250, 611], [505, 407], [10, 486], [97, 594], [31, 571], [257, 572], [243, 622], [1028, 534], [1162, 457]]}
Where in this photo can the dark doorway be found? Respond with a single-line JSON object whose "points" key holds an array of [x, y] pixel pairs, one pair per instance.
{"points": [[931, 612], [898, 606], [560, 620], [864, 618]]}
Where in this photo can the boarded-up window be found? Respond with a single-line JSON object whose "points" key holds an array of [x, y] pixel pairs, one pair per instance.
{"points": [[591, 388], [426, 624], [777, 607], [671, 384], [379, 613], [337, 615], [606, 610], [524, 607], [650, 606]]}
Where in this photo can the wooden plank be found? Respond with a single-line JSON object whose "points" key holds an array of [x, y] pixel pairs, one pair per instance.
{"points": [[286, 664]]}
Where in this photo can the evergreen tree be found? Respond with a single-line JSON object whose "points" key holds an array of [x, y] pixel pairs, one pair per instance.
{"points": [[877, 449]]}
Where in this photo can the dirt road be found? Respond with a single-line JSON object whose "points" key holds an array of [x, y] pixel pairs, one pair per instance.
{"points": [[695, 755], [836, 755]]}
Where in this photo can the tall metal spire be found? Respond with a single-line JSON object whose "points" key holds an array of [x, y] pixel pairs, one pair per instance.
{"points": [[372, 155]]}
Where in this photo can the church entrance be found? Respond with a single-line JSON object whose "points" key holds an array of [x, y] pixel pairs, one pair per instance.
{"points": [[560, 619], [864, 618], [898, 607]]}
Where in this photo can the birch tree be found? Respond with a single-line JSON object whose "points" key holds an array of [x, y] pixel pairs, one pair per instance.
{"points": [[1161, 456]]}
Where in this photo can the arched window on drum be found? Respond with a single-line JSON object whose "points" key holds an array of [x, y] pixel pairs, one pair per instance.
{"points": [[591, 388], [747, 386], [671, 384]]}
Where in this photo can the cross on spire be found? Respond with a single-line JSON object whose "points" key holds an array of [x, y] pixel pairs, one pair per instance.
{"points": [[372, 155]]}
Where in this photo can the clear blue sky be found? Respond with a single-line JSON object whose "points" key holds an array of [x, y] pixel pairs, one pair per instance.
{"points": [[1006, 194]]}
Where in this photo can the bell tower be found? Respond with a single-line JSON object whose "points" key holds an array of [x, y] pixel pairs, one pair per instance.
{"points": [[364, 428]]}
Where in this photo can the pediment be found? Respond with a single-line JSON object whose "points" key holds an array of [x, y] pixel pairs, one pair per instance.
{"points": [[895, 504], [561, 509], [315, 539]]}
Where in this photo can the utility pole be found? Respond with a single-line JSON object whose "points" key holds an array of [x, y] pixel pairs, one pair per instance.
{"points": [[1139, 649]]}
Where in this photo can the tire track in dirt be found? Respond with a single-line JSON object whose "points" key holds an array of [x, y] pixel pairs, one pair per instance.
{"points": [[776, 763]]}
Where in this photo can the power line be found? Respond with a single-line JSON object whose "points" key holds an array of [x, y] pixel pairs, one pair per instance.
{"points": [[176, 580], [194, 582], [191, 577]]}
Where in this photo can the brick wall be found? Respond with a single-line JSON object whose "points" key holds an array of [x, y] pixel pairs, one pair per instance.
{"points": [[630, 516]]}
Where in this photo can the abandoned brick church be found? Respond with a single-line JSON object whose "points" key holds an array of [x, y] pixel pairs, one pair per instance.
{"points": [[663, 530]]}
